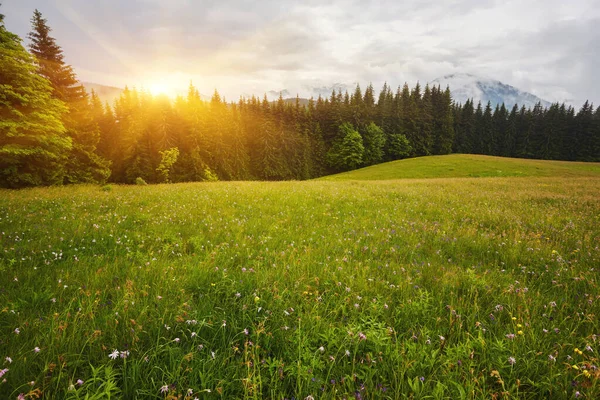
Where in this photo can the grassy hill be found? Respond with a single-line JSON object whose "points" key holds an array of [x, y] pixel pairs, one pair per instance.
{"points": [[436, 288], [468, 166]]}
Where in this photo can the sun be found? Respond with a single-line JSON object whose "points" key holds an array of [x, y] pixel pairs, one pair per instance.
{"points": [[158, 88]]}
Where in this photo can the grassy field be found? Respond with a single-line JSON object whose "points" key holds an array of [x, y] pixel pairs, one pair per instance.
{"points": [[433, 288], [468, 166]]}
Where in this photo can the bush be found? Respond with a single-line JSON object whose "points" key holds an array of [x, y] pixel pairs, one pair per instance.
{"points": [[140, 181]]}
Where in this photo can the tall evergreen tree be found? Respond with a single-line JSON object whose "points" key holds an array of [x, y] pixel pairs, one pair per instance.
{"points": [[33, 142], [83, 163]]}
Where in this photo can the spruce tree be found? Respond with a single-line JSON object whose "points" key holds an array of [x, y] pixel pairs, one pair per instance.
{"points": [[33, 142], [83, 163]]}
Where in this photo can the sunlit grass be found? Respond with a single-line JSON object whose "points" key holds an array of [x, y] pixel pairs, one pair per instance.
{"points": [[447, 288], [468, 166]]}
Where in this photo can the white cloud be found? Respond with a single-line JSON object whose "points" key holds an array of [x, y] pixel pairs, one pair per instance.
{"points": [[242, 46]]}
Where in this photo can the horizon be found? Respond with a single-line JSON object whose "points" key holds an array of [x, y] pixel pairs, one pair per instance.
{"points": [[284, 46]]}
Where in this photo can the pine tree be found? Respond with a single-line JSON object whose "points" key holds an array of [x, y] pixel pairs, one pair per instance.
{"points": [[33, 143], [83, 163]]}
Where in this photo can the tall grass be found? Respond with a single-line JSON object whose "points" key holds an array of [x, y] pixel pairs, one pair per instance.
{"points": [[455, 288]]}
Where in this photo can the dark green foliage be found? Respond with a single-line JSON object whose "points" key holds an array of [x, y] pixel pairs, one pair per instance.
{"points": [[374, 144], [348, 151], [398, 146], [83, 165], [43, 142], [33, 144]]}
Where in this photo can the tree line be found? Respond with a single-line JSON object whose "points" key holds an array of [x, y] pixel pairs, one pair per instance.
{"points": [[53, 132]]}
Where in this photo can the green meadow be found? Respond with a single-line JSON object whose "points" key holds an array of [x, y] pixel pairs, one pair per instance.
{"points": [[469, 166], [478, 281]]}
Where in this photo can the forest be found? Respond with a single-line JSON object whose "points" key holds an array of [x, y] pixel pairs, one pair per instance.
{"points": [[53, 132]]}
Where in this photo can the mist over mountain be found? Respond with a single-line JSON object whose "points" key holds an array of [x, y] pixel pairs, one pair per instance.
{"points": [[467, 86], [463, 87], [106, 93]]}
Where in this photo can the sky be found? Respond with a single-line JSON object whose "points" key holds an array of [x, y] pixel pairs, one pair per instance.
{"points": [[240, 47]]}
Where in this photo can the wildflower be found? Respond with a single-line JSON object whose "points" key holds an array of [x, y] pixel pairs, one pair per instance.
{"points": [[519, 326], [322, 349], [238, 295], [589, 348], [193, 334], [519, 332], [124, 354], [256, 299], [36, 350], [246, 332], [159, 297], [356, 305], [3, 372], [386, 306], [586, 373], [190, 392], [511, 360], [176, 340], [212, 354], [164, 389], [577, 394], [442, 338], [362, 336], [21, 396], [79, 382], [551, 358], [578, 351], [17, 331], [224, 323], [114, 355], [510, 336], [575, 367], [347, 353], [8, 360]]}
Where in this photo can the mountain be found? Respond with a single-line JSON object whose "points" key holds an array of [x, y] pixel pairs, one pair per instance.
{"points": [[106, 93], [467, 86], [307, 91]]}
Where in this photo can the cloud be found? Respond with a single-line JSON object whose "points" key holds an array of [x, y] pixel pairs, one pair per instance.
{"points": [[241, 46]]}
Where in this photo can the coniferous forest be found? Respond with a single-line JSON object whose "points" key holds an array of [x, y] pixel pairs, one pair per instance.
{"points": [[52, 132]]}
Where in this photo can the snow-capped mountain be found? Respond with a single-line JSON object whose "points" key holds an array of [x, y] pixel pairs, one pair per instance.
{"points": [[467, 86], [307, 91]]}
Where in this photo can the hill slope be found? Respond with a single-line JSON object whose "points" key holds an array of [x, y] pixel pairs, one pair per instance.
{"points": [[467, 165]]}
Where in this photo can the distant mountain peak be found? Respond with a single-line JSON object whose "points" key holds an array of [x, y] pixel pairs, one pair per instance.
{"points": [[465, 86]]}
